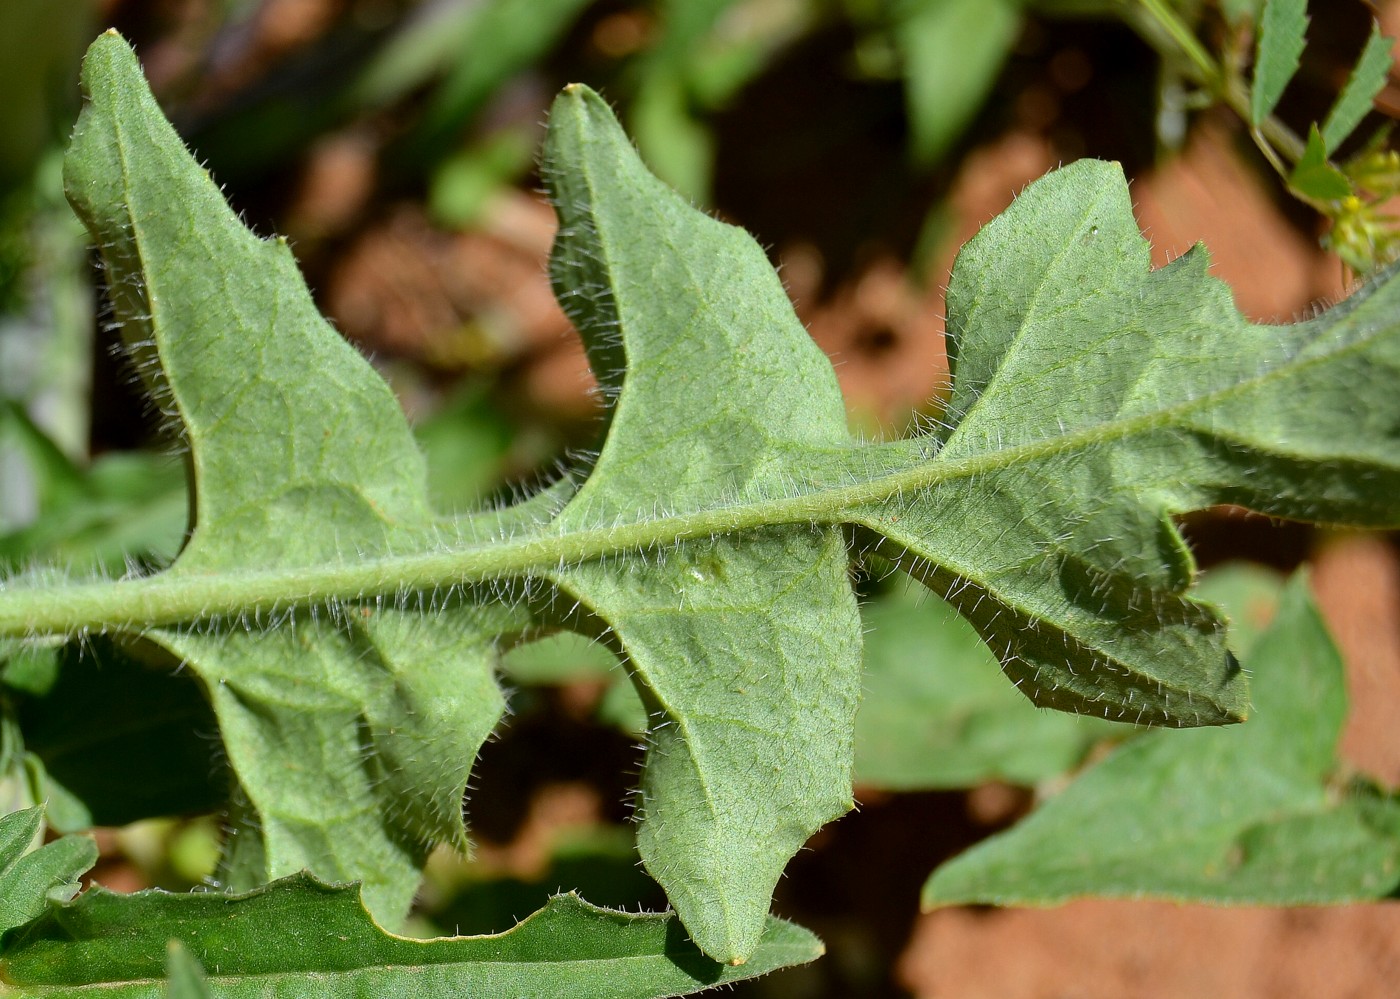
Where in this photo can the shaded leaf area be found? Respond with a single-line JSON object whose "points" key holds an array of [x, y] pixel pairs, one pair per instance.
{"points": [[1251, 814], [299, 937], [346, 632], [147, 743], [29, 878], [935, 712]]}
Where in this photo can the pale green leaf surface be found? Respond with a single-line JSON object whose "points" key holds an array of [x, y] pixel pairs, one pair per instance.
{"points": [[1093, 399], [725, 636], [952, 51], [1237, 815], [936, 713], [352, 742], [300, 457], [300, 939], [1281, 37], [28, 877], [1367, 79]]}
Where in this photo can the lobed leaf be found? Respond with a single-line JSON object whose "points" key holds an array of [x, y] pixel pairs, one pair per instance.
{"points": [[1282, 26], [726, 635], [346, 633], [299, 458], [300, 938], [1239, 815], [1093, 400]]}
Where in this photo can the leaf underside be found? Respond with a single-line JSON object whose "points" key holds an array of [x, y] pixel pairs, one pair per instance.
{"points": [[346, 633]]}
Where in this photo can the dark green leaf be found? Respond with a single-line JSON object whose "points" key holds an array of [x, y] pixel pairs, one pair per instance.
{"points": [[1314, 177], [1239, 815], [300, 938], [124, 738], [1367, 79], [936, 713], [1281, 37]]}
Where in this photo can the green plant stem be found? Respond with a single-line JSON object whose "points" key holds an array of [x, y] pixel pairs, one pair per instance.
{"points": [[1186, 42], [171, 598], [1276, 141]]}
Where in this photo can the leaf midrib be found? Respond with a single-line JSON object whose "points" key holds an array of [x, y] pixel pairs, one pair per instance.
{"points": [[172, 597]]}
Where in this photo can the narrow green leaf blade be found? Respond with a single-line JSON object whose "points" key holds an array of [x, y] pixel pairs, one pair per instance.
{"points": [[1281, 37], [1367, 79], [748, 649], [1238, 815], [952, 51], [298, 937], [184, 976]]}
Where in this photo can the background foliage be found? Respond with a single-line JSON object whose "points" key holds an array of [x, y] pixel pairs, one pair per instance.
{"points": [[379, 100]]}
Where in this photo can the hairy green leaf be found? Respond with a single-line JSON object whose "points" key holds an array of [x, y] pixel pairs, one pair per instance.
{"points": [[1238, 815], [300, 457], [1281, 37], [726, 634], [300, 938], [346, 633], [1367, 79]]}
